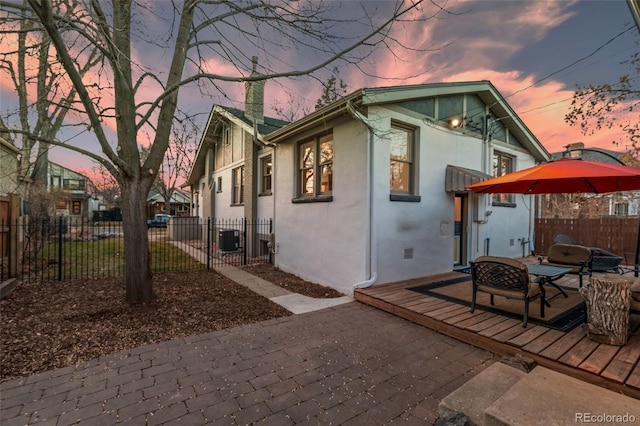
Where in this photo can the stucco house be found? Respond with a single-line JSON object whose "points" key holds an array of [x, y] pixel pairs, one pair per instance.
{"points": [[371, 189], [78, 199], [179, 205], [10, 180], [231, 177]]}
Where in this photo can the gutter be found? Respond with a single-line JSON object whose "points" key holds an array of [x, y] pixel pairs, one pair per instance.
{"points": [[372, 237]]}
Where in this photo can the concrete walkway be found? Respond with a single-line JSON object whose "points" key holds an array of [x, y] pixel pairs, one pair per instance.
{"points": [[294, 302], [350, 364]]}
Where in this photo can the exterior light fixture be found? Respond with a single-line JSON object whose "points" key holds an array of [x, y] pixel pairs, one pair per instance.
{"points": [[455, 122]]}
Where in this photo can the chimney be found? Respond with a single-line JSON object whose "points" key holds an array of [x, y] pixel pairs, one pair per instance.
{"points": [[254, 96]]}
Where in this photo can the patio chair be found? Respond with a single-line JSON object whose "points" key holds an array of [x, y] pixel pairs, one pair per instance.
{"points": [[578, 258], [505, 277], [562, 239]]}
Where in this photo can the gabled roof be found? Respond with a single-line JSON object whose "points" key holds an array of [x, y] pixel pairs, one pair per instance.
{"points": [[236, 116], [176, 197], [269, 125], [396, 94], [8, 145], [600, 155]]}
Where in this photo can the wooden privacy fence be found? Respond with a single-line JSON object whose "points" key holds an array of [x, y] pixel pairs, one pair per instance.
{"points": [[614, 234]]}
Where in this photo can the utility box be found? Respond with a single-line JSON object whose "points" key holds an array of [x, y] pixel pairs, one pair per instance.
{"points": [[228, 240]]}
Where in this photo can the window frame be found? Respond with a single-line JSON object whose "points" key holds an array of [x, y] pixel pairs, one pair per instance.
{"points": [[314, 169], [237, 186], [266, 179], [411, 194], [621, 209], [76, 207], [503, 199]]}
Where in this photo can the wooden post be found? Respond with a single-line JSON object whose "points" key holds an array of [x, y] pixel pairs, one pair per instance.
{"points": [[607, 300]]}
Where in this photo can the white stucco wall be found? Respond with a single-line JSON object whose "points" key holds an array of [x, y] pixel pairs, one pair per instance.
{"points": [[507, 227], [265, 202], [325, 242], [9, 167], [426, 227]]}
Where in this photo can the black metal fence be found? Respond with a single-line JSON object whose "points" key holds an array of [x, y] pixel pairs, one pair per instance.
{"points": [[70, 248]]}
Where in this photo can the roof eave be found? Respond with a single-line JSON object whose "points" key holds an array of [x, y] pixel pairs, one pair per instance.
{"points": [[321, 115]]}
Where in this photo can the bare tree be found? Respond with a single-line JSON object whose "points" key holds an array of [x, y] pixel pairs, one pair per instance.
{"points": [[175, 166], [332, 90], [45, 96], [295, 107], [608, 106], [106, 186], [199, 32], [291, 109]]}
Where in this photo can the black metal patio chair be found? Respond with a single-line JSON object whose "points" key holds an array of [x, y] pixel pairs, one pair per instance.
{"points": [[505, 277]]}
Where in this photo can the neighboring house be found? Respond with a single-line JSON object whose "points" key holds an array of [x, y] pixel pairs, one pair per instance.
{"points": [[179, 205], [371, 189], [231, 177], [9, 179], [79, 198], [590, 206]]}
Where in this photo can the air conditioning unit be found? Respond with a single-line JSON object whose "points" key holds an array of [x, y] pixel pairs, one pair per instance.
{"points": [[228, 240]]}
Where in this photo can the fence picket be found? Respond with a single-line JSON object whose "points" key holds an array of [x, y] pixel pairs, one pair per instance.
{"points": [[614, 234], [68, 248]]}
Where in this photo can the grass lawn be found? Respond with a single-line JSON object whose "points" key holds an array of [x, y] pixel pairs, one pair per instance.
{"points": [[105, 258]]}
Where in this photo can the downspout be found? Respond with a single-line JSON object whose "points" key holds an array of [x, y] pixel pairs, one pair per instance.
{"points": [[372, 240]]}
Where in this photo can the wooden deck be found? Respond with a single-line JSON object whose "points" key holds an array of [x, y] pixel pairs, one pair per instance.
{"points": [[573, 353]]}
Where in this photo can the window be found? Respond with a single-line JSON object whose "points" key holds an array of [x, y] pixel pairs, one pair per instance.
{"points": [[73, 183], [315, 167], [266, 168], [219, 188], [621, 209], [237, 196], [76, 207], [401, 164], [502, 165], [211, 167]]}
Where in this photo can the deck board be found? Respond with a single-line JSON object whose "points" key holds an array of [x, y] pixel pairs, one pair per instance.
{"points": [[622, 364], [564, 344], [500, 327], [599, 358], [579, 352], [488, 323], [528, 336], [573, 353], [445, 311], [543, 342], [634, 378]]}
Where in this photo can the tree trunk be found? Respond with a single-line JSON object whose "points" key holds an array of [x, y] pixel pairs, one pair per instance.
{"points": [[41, 164], [136, 242], [607, 300]]}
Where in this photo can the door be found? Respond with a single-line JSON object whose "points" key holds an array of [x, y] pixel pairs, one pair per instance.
{"points": [[459, 230]]}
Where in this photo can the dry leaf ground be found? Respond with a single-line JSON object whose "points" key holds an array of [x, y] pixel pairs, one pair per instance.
{"points": [[47, 325]]}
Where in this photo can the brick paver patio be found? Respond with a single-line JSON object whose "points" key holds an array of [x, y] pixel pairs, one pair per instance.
{"points": [[351, 364]]}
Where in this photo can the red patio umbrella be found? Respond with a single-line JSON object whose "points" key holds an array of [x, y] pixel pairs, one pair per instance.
{"points": [[566, 175]]}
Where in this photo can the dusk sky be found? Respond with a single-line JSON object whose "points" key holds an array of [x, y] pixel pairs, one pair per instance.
{"points": [[534, 52]]}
